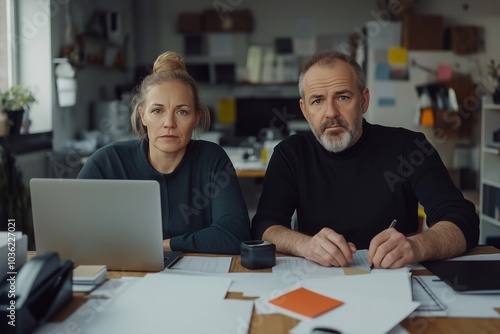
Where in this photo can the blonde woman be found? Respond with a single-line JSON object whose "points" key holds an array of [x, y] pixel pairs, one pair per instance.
{"points": [[202, 206]]}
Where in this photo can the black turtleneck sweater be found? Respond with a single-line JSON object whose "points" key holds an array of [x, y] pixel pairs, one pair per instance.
{"points": [[202, 206], [359, 191]]}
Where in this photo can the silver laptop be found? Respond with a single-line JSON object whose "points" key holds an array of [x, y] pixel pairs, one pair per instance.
{"points": [[116, 223]]}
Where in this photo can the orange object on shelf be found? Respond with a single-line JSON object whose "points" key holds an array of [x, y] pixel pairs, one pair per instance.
{"points": [[427, 117]]}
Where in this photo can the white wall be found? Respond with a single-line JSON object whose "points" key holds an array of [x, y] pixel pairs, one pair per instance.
{"points": [[480, 13], [94, 82], [271, 19], [152, 27]]}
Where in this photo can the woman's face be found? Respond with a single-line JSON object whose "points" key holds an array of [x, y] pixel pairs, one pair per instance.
{"points": [[170, 117]]}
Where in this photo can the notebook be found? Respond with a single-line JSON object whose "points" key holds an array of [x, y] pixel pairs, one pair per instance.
{"points": [[116, 223], [474, 277]]}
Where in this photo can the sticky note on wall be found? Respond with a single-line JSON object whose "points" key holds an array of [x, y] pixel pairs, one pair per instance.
{"points": [[397, 56], [444, 72], [382, 71], [226, 111]]}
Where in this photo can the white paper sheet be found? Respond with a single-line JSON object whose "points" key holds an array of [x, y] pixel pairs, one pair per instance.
{"points": [[395, 286], [159, 303], [360, 261], [300, 268], [379, 300], [479, 257], [203, 264], [360, 314], [251, 284], [392, 285], [222, 316], [259, 284]]}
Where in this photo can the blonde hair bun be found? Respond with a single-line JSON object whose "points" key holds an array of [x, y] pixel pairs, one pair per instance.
{"points": [[168, 61]]}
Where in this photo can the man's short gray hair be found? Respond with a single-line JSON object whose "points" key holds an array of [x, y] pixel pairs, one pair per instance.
{"points": [[326, 58]]}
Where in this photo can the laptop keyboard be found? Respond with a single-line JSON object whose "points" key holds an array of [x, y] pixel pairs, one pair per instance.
{"points": [[170, 257]]}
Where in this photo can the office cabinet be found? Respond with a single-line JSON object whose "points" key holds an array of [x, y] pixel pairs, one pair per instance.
{"points": [[423, 32], [490, 171]]}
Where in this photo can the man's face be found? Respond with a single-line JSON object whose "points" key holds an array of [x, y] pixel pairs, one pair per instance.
{"points": [[333, 105]]}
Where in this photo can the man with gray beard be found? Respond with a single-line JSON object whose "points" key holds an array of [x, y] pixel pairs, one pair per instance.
{"points": [[348, 180]]}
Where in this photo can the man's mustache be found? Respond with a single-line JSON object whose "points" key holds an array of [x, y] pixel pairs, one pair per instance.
{"points": [[336, 121]]}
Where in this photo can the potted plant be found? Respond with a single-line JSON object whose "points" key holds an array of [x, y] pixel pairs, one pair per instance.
{"points": [[494, 72], [14, 102]]}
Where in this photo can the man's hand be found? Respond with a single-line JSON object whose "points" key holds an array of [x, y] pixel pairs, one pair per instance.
{"points": [[328, 248], [166, 245], [391, 249]]}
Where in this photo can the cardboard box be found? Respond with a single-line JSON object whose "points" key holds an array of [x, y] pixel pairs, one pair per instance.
{"points": [[189, 22], [231, 21], [462, 39], [423, 32]]}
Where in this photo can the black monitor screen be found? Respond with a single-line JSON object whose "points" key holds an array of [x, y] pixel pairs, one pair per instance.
{"points": [[254, 115]]}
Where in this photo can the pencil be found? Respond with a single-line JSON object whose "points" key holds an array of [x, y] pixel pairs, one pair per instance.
{"points": [[393, 223]]}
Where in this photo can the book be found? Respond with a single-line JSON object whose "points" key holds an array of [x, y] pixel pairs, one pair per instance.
{"points": [[87, 277]]}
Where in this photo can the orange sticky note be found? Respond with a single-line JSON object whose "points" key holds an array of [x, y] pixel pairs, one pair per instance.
{"points": [[306, 302]]}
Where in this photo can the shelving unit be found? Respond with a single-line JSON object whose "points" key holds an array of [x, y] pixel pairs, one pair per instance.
{"points": [[490, 171]]}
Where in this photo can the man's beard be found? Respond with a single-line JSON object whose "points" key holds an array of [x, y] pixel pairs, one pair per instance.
{"points": [[336, 140]]}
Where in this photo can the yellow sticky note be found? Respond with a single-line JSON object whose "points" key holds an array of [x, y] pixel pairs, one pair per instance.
{"points": [[226, 112], [397, 56]]}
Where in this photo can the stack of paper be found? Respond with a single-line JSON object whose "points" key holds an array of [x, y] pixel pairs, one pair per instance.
{"points": [[382, 300], [86, 277], [160, 303]]}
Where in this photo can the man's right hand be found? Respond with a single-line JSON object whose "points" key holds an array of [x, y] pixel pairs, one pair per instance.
{"points": [[328, 248]]}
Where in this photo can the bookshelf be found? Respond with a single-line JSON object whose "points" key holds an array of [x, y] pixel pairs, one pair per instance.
{"points": [[490, 171]]}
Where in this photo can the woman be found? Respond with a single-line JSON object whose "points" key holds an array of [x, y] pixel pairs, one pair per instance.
{"points": [[202, 206]]}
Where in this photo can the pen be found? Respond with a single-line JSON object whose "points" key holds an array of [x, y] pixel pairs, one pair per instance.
{"points": [[393, 223]]}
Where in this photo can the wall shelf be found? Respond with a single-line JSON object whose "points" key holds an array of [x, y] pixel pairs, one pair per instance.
{"points": [[490, 172], [491, 150]]}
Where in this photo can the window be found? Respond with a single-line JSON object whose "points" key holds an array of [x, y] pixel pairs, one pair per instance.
{"points": [[5, 63], [31, 65]]}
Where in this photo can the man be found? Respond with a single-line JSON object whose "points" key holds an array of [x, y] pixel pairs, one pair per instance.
{"points": [[348, 180]]}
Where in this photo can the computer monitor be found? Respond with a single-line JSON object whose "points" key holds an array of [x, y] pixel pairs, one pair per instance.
{"points": [[255, 115]]}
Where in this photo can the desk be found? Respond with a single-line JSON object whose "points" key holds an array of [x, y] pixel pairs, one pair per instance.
{"points": [[244, 168], [277, 323], [250, 172]]}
